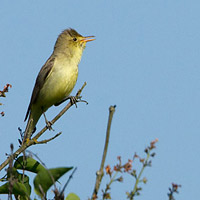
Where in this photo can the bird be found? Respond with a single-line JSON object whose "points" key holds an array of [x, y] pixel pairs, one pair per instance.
{"points": [[57, 77]]}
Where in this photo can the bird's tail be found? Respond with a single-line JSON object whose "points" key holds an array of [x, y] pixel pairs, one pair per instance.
{"points": [[32, 121]]}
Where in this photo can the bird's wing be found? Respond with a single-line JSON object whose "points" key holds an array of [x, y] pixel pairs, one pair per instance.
{"points": [[44, 72]]}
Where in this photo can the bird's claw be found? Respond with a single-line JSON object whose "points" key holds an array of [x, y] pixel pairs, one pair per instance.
{"points": [[49, 125], [75, 100]]}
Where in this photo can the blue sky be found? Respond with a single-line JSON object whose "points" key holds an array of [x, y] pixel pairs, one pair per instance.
{"points": [[145, 59]]}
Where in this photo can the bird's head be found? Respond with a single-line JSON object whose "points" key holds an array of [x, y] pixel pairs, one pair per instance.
{"points": [[70, 42]]}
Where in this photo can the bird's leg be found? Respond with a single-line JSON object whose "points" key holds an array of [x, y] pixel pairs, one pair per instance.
{"points": [[48, 123], [73, 100]]}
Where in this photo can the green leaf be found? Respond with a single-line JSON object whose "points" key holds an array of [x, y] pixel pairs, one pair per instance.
{"points": [[46, 178], [17, 189], [28, 164], [17, 177], [72, 196], [24, 179]]}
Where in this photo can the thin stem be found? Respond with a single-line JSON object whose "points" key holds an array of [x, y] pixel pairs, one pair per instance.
{"points": [[70, 177], [100, 172], [48, 140], [109, 184], [139, 176]]}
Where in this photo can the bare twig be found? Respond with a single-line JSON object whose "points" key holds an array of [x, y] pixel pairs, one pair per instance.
{"points": [[70, 177], [33, 141], [48, 140], [100, 173], [11, 177]]}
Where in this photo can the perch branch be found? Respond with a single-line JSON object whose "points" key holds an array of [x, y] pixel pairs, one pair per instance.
{"points": [[33, 141]]}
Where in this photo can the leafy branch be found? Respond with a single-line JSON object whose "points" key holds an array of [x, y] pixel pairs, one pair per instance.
{"points": [[34, 141]]}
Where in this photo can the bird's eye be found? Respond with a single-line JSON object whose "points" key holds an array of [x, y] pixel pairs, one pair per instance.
{"points": [[75, 39]]}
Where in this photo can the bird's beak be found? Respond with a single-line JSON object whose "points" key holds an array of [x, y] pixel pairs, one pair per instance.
{"points": [[87, 39]]}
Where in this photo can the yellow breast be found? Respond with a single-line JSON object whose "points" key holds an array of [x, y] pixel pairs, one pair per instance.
{"points": [[59, 83]]}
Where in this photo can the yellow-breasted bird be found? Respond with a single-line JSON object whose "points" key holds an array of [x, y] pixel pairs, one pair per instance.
{"points": [[57, 77]]}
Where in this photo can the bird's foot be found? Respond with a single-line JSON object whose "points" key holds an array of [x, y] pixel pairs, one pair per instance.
{"points": [[49, 125], [75, 100]]}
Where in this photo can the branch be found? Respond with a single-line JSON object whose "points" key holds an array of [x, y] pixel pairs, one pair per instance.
{"points": [[48, 140], [61, 113], [70, 177], [100, 173], [33, 141]]}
